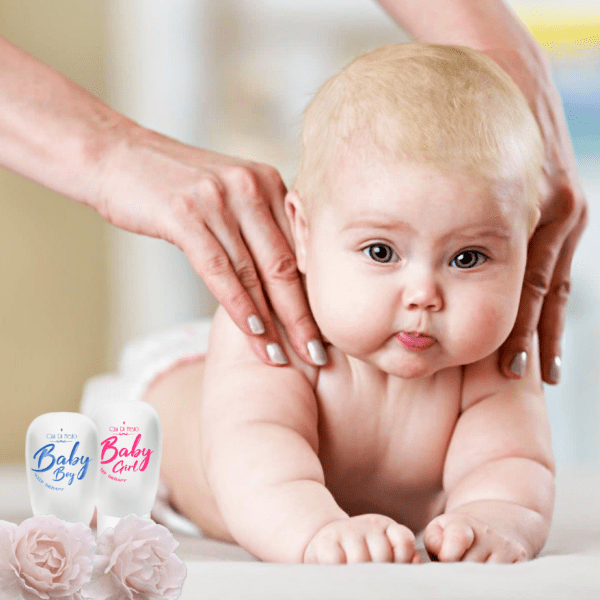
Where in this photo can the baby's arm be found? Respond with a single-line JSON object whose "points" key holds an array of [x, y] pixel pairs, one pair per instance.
{"points": [[259, 446], [499, 471]]}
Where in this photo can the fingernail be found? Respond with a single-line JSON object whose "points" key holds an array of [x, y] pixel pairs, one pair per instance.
{"points": [[519, 364], [255, 325], [276, 354], [317, 352], [555, 369]]}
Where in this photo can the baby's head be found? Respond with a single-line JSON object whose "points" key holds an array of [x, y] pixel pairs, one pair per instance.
{"points": [[415, 198]]}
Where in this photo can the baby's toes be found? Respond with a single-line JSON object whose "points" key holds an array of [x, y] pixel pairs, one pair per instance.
{"points": [[458, 538], [402, 542]]}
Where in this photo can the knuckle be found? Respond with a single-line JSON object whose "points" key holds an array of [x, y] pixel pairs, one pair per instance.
{"points": [[567, 201], [537, 282], [570, 205], [560, 292], [191, 205], [246, 182], [283, 269], [273, 177], [186, 208], [216, 265], [212, 192], [246, 273], [375, 520]]}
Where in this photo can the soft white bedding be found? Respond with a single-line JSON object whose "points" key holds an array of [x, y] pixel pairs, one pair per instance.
{"points": [[568, 568]]}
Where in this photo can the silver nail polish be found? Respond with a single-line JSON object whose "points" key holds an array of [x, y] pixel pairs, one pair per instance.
{"points": [[276, 354], [519, 364], [317, 352], [555, 369], [255, 325]]}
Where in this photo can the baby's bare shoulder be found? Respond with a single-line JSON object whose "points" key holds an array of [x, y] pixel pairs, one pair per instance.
{"points": [[240, 388], [483, 379]]}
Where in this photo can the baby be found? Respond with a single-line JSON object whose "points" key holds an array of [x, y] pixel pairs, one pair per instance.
{"points": [[411, 214]]}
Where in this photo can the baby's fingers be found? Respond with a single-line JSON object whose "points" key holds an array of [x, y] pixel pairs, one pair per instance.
{"points": [[402, 541], [458, 538], [450, 542], [373, 547], [507, 553], [327, 551]]}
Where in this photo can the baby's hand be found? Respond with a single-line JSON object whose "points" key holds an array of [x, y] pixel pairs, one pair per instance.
{"points": [[366, 538], [456, 536]]}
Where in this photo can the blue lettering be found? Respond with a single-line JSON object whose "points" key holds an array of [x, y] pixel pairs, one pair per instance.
{"points": [[46, 452], [85, 463]]}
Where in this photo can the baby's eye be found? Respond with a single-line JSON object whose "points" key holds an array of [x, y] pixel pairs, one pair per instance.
{"points": [[381, 253], [468, 259]]}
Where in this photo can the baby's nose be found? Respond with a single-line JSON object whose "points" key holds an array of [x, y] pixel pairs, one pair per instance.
{"points": [[422, 293]]}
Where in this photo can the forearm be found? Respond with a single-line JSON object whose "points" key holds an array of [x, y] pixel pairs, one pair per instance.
{"points": [[514, 495], [479, 25], [271, 495], [51, 130]]}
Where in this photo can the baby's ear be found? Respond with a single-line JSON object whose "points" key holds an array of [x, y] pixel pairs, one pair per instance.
{"points": [[296, 214]]}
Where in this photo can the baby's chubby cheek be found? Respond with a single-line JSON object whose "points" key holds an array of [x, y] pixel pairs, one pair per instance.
{"points": [[482, 329], [350, 316]]}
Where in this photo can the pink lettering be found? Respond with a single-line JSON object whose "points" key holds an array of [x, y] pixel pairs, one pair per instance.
{"points": [[108, 444], [119, 467]]}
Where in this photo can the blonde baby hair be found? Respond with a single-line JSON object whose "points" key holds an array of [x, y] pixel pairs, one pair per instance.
{"points": [[450, 106]]}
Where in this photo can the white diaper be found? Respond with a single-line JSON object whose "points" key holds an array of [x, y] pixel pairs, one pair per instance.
{"points": [[141, 362]]}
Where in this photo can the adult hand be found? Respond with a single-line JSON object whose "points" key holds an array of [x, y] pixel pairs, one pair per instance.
{"points": [[228, 216], [563, 218]]}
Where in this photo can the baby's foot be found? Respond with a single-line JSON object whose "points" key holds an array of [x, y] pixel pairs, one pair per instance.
{"points": [[462, 537], [366, 538]]}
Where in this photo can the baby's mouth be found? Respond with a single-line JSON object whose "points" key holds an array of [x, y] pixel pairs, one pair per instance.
{"points": [[414, 340]]}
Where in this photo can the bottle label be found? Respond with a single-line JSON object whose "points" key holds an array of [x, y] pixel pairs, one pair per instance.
{"points": [[61, 467], [123, 453]]}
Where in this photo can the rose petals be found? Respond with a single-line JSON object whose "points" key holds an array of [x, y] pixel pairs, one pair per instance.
{"points": [[136, 560], [44, 558]]}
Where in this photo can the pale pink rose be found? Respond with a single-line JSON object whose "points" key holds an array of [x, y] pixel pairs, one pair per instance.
{"points": [[44, 558], [136, 561]]}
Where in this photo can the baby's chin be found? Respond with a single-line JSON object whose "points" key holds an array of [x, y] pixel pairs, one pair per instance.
{"points": [[419, 365], [415, 366]]}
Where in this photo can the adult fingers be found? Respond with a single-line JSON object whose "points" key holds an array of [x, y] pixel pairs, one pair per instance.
{"points": [[278, 271], [236, 288], [544, 248], [209, 234], [553, 316]]}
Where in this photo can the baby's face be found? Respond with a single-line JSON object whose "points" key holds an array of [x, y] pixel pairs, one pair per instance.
{"points": [[411, 269]]}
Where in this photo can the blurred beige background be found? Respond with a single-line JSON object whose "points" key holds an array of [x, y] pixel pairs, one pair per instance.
{"points": [[53, 279], [233, 76]]}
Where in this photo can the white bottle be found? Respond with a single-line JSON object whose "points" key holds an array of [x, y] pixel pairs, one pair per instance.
{"points": [[130, 438], [61, 454]]}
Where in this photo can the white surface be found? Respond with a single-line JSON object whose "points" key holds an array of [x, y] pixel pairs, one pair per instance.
{"points": [[568, 568]]}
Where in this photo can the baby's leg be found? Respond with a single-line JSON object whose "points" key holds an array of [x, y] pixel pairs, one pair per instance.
{"points": [[176, 396]]}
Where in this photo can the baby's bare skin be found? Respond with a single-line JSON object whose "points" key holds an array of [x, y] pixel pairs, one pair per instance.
{"points": [[382, 444], [413, 264]]}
